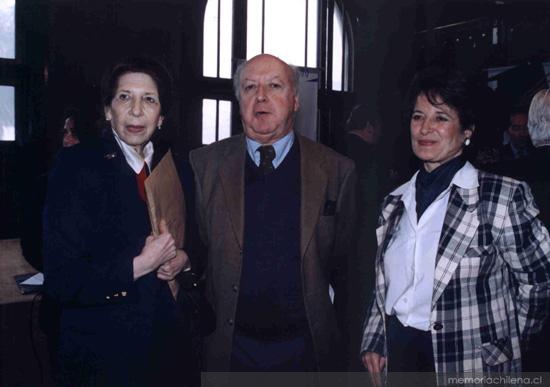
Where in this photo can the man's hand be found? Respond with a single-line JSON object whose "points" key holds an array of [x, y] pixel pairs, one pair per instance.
{"points": [[170, 269], [375, 364]]}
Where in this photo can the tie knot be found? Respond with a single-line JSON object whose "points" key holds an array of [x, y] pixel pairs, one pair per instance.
{"points": [[267, 154]]}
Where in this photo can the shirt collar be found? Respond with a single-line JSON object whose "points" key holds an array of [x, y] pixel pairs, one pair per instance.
{"points": [[466, 178], [134, 160], [282, 147]]}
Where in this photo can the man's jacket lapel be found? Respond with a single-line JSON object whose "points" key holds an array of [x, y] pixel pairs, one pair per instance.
{"points": [[232, 179], [314, 182]]}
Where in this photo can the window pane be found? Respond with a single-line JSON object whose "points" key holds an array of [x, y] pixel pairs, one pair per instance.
{"points": [[226, 37], [345, 63], [253, 28], [210, 131], [287, 41], [7, 113], [224, 120], [210, 49], [313, 18], [7, 29], [208, 121], [337, 48]]}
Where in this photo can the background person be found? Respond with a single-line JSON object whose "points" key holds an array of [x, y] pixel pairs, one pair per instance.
{"points": [[361, 144], [519, 145], [538, 178], [70, 136], [515, 155], [76, 128]]}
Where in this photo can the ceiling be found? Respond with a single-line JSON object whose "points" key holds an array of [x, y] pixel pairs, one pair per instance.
{"points": [[437, 13]]}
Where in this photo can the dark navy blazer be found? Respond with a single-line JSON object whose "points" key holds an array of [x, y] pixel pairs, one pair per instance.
{"points": [[113, 330]]}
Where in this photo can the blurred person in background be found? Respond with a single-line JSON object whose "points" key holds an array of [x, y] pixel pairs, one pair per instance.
{"points": [[515, 155], [361, 144], [538, 178]]}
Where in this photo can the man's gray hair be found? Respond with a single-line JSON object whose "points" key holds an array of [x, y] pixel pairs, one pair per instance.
{"points": [[539, 119], [295, 78]]}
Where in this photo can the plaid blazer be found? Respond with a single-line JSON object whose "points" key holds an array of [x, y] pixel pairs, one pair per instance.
{"points": [[492, 277]]}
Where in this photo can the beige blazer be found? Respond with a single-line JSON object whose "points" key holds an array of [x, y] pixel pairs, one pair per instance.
{"points": [[325, 238]]}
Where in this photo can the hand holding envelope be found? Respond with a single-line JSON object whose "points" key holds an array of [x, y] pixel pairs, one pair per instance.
{"points": [[166, 203]]}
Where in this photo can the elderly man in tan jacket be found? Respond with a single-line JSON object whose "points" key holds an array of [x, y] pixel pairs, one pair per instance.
{"points": [[276, 212]]}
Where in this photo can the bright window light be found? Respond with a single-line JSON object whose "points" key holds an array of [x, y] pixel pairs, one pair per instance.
{"points": [[210, 51], [284, 28], [337, 49], [254, 28], [7, 29], [213, 130], [288, 42], [217, 55], [312, 25], [7, 113], [208, 121], [224, 120], [226, 37]]}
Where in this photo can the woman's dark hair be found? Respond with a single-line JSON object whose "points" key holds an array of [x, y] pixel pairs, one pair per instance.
{"points": [[445, 86], [360, 116], [151, 67]]}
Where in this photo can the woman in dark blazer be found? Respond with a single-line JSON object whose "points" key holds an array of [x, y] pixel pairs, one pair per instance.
{"points": [[120, 322], [462, 268]]}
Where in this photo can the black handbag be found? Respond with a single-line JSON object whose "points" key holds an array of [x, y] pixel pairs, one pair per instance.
{"points": [[191, 297]]}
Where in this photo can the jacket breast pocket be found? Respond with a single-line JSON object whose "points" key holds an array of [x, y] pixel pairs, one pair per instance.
{"points": [[479, 259], [469, 268], [325, 231], [482, 244]]}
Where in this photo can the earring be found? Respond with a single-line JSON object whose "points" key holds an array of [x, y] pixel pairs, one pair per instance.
{"points": [[467, 141], [159, 127]]}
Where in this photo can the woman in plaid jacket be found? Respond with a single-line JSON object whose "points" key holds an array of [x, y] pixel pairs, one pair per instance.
{"points": [[462, 267]]}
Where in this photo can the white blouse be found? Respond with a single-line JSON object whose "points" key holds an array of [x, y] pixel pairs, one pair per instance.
{"points": [[409, 261]]}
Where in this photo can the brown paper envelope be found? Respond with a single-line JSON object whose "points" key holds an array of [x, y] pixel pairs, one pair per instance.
{"points": [[165, 199]]}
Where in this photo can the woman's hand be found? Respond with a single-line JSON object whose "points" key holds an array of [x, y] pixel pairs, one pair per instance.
{"points": [[375, 364], [157, 250], [373, 361]]}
